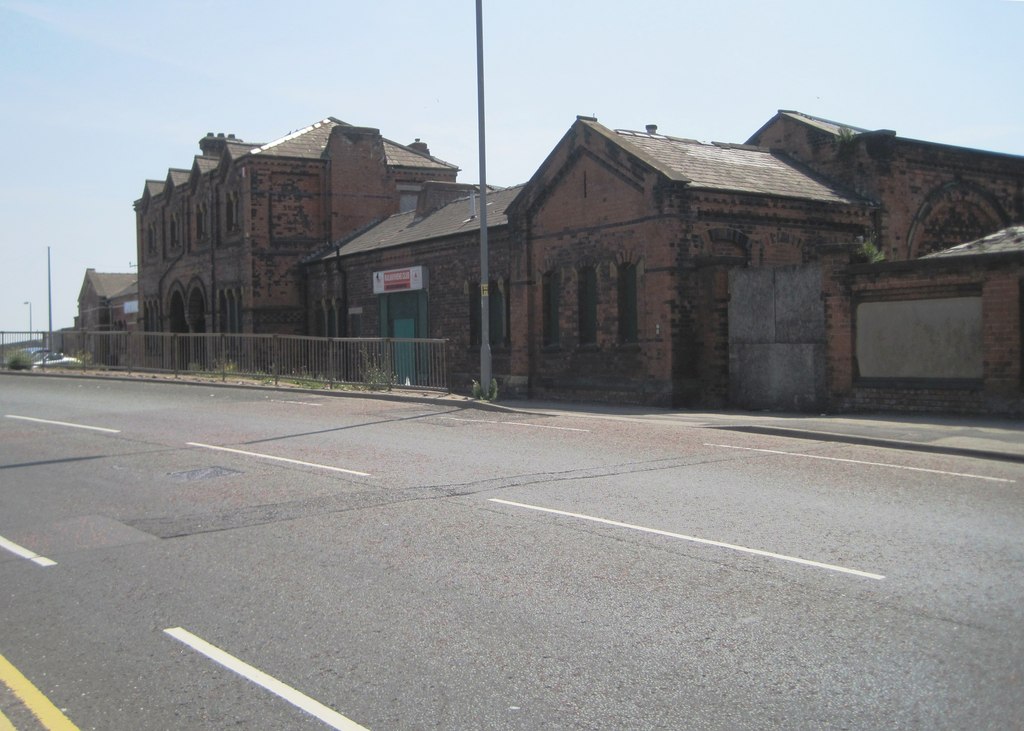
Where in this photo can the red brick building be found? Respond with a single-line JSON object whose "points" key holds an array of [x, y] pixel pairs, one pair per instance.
{"points": [[632, 267], [623, 245], [944, 333], [618, 269], [928, 196], [220, 244], [417, 274], [107, 301]]}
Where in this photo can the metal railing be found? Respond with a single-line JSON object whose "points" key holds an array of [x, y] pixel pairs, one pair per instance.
{"points": [[376, 363]]}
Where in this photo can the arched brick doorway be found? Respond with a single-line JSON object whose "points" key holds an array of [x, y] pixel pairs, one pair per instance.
{"points": [[176, 313], [196, 311]]}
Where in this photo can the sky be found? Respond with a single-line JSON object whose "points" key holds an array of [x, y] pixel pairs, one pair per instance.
{"points": [[97, 97]]}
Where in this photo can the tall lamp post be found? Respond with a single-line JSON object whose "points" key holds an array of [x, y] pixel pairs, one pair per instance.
{"points": [[29, 318], [485, 316], [49, 301]]}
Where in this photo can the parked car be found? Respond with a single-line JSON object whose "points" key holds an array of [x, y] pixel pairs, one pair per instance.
{"points": [[55, 360]]}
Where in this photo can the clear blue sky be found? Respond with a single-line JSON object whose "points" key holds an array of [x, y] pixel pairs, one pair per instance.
{"points": [[98, 96]]}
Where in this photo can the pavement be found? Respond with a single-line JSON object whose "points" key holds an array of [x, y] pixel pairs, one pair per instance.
{"points": [[970, 436]]}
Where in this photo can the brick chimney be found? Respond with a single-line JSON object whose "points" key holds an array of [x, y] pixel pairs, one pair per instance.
{"points": [[419, 146], [213, 144], [436, 194]]}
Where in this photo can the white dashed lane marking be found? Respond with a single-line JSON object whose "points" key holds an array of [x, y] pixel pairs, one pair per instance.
{"points": [[514, 423], [862, 462], [273, 458], [694, 539], [63, 423], [298, 699], [23, 552]]}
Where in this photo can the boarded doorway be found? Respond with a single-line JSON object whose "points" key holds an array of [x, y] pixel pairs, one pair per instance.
{"points": [[777, 339]]}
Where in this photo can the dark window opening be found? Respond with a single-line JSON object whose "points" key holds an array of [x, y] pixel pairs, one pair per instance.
{"points": [[497, 314], [587, 304], [200, 222], [550, 295], [231, 212], [355, 324], [627, 303]]}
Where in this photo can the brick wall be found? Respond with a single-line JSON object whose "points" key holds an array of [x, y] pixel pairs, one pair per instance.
{"points": [[998, 280], [596, 209], [206, 258], [245, 223], [453, 273], [593, 205], [931, 196]]}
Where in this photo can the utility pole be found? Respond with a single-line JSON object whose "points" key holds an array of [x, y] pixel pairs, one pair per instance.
{"points": [[49, 301], [485, 310]]}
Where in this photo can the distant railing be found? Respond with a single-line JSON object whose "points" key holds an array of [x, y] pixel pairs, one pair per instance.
{"points": [[376, 363]]}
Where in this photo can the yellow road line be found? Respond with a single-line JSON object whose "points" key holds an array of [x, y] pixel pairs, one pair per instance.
{"points": [[6, 725], [47, 713]]}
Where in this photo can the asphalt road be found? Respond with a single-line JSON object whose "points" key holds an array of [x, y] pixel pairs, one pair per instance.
{"points": [[426, 566]]}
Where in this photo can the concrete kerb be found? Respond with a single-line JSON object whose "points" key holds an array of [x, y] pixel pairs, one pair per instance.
{"points": [[722, 421], [397, 395], [904, 444]]}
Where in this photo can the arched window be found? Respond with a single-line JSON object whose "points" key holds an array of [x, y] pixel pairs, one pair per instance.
{"points": [[201, 221], [332, 318], [497, 313], [586, 302], [550, 296], [175, 231], [627, 303], [231, 212]]}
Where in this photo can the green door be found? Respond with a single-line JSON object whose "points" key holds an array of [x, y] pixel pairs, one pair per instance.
{"points": [[403, 316], [405, 353]]}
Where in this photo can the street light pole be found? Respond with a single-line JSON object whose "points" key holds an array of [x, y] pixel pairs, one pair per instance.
{"points": [[49, 301], [29, 318], [485, 310]]}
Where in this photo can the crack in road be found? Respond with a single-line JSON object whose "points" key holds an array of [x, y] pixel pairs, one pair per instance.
{"points": [[187, 525]]}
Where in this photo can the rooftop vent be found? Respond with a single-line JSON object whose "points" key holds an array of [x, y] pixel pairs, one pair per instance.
{"points": [[652, 129]]}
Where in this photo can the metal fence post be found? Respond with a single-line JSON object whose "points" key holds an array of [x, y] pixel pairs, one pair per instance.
{"points": [[277, 358]]}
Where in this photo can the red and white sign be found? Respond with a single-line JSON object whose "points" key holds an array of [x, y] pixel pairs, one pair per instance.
{"points": [[399, 280]]}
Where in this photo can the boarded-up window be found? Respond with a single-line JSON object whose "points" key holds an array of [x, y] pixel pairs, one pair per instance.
{"points": [[928, 338]]}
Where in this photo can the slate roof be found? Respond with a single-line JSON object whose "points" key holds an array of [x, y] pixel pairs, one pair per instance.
{"points": [[733, 168], [311, 142], [111, 284], [237, 148], [405, 228], [178, 176], [1009, 240], [823, 124], [206, 164], [307, 142], [405, 157]]}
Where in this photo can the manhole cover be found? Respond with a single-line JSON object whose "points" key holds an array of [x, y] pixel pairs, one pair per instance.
{"points": [[203, 473]]}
